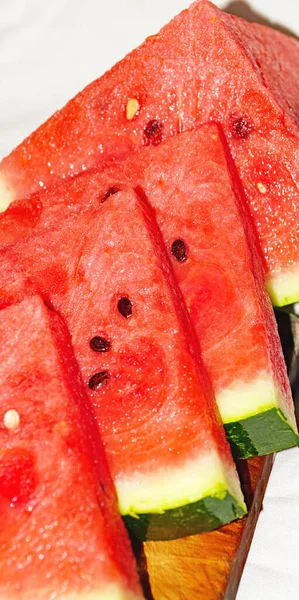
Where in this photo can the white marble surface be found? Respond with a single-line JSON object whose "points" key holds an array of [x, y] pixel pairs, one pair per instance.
{"points": [[50, 50]]}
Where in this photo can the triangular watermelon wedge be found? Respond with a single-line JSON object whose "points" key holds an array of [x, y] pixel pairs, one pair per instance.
{"points": [[204, 65], [61, 535], [191, 182], [107, 273]]}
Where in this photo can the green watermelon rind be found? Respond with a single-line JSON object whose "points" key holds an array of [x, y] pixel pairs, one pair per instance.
{"points": [[205, 515], [248, 411], [247, 436], [197, 496], [283, 289]]}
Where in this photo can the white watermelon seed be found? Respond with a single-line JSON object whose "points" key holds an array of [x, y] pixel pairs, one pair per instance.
{"points": [[132, 108], [261, 187], [11, 419]]}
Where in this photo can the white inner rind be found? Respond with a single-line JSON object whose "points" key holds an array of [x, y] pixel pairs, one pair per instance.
{"points": [[109, 592], [195, 479], [7, 194], [243, 400], [284, 288]]}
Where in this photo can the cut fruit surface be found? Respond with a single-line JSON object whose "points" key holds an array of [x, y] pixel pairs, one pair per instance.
{"points": [[114, 285], [192, 184], [61, 534], [204, 65]]}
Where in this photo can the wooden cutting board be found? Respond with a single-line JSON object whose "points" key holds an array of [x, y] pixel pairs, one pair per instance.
{"points": [[207, 566]]}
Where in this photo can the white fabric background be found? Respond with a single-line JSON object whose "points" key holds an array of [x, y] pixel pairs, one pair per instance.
{"points": [[50, 50]]}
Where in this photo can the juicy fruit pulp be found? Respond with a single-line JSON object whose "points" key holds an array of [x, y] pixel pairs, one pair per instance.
{"points": [[205, 65], [165, 443], [60, 532], [200, 213]]}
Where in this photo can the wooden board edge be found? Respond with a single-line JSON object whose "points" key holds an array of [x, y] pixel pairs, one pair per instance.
{"points": [[249, 529]]}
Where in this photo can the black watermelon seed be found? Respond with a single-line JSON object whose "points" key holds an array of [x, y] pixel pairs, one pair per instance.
{"points": [[178, 250], [242, 128], [99, 344], [125, 306], [112, 190], [98, 380], [153, 132]]}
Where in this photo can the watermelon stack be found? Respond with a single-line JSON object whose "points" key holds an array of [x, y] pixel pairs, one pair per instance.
{"points": [[156, 259], [140, 361]]}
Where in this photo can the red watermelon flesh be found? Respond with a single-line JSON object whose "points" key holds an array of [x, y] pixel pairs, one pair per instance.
{"points": [[140, 361], [21, 217], [204, 65], [60, 532], [191, 183]]}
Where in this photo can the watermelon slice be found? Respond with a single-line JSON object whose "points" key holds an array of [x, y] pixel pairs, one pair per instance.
{"points": [[61, 535], [205, 65], [140, 361], [224, 291]]}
